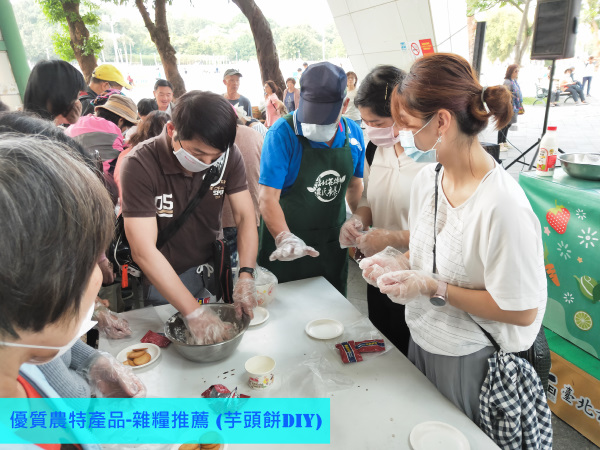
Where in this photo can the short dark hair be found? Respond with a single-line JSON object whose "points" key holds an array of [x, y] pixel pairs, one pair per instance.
{"points": [[61, 220], [352, 74], [293, 80], [27, 123], [52, 88], [163, 83], [305, 64], [206, 116], [150, 127], [112, 84], [146, 105], [375, 91]]}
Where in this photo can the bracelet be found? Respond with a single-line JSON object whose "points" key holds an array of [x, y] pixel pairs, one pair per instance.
{"points": [[249, 270]]}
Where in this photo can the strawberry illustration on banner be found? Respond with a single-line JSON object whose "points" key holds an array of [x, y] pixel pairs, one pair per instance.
{"points": [[558, 218]]}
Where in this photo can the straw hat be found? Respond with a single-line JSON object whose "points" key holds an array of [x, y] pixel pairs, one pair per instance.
{"points": [[121, 106]]}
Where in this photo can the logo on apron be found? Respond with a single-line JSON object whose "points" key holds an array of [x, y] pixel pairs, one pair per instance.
{"points": [[327, 186]]}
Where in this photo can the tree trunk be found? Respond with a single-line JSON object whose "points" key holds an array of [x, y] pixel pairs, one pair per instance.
{"points": [[159, 33], [523, 34], [266, 51], [79, 35]]}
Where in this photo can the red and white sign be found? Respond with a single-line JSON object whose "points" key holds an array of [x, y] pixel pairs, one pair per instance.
{"points": [[415, 49], [426, 46]]}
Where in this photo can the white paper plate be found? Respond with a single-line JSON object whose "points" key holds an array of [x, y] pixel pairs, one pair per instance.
{"points": [[437, 435], [153, 350], [324, 328], [260, 316]]}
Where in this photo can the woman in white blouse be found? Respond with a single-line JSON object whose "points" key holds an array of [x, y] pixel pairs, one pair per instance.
{"points": [[388, 176], [476, 256]]}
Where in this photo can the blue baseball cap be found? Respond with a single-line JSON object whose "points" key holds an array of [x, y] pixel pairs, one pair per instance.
{"points": [[322, 93]]}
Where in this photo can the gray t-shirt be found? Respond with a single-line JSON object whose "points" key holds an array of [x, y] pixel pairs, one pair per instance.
{"points": [[244, 103]]}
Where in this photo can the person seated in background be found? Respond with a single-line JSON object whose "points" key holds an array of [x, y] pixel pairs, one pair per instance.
{"points": [[291, 95], [163, 95], [150, 126], [251, 122], [568, 85], [144, 107], [61, 222], [52, 91], [158, 180], [104, 77], [231, 79], [273, 106], [104, 131]]}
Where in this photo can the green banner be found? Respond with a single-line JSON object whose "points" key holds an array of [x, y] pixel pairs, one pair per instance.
{"points": [[569, 213]]}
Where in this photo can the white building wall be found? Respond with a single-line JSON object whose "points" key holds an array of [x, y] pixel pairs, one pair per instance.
{"points": [[383, 31]]}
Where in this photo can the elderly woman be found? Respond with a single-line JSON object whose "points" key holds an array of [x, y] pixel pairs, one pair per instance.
{"points": [[61, 221]]}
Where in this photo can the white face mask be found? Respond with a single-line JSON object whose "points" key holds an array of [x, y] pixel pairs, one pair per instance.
{"points": [[192, 163], [407, 141], [86, 325], [319, 133]]}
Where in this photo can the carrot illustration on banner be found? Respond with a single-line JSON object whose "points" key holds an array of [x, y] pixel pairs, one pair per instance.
{"points": [[550, 270]]}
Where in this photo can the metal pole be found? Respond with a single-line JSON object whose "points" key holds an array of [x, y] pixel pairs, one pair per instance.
{"points": [[14, 46]]}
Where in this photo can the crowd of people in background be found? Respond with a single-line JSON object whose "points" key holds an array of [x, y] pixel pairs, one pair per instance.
{"points": [[276, 190]]}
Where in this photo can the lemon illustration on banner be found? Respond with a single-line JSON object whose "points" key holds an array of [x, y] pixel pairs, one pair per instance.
{"points": [[588, 287], [583, 321]]}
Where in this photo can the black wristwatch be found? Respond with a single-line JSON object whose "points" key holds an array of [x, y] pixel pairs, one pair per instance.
{"points": [[249, 270]]}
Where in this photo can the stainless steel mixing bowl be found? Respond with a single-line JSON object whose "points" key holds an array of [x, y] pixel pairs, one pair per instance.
{"points": [[582, 165], [175, 331]]}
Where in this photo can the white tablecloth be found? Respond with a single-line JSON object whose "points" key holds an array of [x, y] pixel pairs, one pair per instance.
{"points": [[374, 403]]}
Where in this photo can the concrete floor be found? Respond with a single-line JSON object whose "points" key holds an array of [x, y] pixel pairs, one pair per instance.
{"points": [[565, 437]]}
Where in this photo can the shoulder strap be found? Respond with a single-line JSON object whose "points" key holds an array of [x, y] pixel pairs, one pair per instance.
{"points": [[437, 175], [370, 153], [174, 226], [489, 336]]}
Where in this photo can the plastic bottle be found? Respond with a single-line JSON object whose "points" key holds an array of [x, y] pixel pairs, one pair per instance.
{"points": [[548, 153]]}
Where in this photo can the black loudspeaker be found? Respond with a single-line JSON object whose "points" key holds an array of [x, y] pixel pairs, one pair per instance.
{"points": [[555, 29]]}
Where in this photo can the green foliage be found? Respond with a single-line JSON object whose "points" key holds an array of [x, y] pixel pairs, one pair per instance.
{"points": [[475, 6], [590, 12], [35, 30], [501, 35], [55, 13], [299, 42]]}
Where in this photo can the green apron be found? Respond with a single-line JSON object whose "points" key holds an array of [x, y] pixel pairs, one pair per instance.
{"points": [[314, 209]]}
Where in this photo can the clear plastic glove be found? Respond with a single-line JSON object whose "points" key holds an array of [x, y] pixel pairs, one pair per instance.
{"points": [[388, 260], [407, 285], [290, 247], [351, 230], [377, 239], [110, 378], [245, 298], [109, 323], [207, 328]]}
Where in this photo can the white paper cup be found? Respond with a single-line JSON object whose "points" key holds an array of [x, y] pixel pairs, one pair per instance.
{"points": [[260, 372]]}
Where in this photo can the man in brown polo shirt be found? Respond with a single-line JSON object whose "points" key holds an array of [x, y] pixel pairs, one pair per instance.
{"points": [[159, 178]]}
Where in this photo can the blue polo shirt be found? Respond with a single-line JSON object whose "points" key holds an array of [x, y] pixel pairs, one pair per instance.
{"points": [[282, 152]]}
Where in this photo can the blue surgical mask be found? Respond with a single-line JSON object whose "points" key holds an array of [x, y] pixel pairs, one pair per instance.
{"points": [[407, 140]]}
